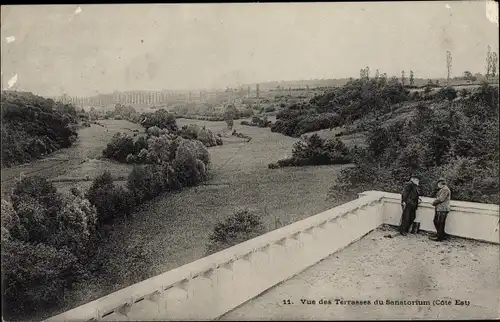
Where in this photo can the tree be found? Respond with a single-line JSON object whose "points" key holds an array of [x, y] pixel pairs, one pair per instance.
{"points": [[377, 74], [403, 79], [494, 66], [412, 80], [488, 62], [229, 116], [448, 66], [364, 73], [468, 75]]}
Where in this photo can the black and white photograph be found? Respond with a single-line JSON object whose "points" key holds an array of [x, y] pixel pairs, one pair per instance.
{"points": [[250, 161]]}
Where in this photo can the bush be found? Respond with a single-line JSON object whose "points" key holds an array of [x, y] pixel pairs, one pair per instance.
{"points": [[190, 163], [110, 201], [76, 226], [246, 113], [448, 93], [146, 182], [195, 132], [315, 151], [258, 121], [160, 118], [11, 224], [119, 148], [238, 228], [153, 131], [47, 237], [35, 276]]}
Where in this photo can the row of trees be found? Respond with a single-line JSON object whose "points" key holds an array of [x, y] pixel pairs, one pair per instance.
{"points": [[364, 73]]}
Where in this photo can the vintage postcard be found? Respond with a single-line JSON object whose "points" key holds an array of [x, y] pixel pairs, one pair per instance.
{"points": [[250, 161]]}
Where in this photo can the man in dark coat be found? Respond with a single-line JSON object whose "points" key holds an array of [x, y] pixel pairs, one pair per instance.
{"points": [[409, 203]]}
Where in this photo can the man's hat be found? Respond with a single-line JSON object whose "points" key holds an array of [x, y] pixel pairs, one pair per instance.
{"points": [[441, 180], [416, 176]]}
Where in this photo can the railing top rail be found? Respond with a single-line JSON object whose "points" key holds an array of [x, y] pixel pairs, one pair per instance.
{"points": [[464, 206], [186, 272]]}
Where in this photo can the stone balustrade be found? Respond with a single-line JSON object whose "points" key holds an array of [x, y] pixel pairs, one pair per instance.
{"points": [[466, 219], [211, 286]]}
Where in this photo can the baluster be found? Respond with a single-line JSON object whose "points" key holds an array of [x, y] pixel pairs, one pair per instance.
{"points": [[266, 266], [343, 230], [280, 259], [176, 297], [201, 298]]}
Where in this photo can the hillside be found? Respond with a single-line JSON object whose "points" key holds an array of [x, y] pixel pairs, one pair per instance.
{"points": [[33, 126]]}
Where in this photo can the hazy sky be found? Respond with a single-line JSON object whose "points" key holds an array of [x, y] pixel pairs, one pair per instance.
{"points": [[57, 49]]}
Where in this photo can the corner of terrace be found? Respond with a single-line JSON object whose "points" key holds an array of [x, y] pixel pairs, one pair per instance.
{"points": [[341, 254]]}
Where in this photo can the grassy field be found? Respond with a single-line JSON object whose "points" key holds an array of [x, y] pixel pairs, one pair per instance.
{"points": [[77, 161]]}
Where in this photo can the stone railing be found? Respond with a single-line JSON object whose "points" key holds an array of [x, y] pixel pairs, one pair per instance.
{"points": [[466, 219], [210, 287], [213, 285]]}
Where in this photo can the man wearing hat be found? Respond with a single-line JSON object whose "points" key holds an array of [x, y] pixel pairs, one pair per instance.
{"points": [[442, 204], [409, 203]]}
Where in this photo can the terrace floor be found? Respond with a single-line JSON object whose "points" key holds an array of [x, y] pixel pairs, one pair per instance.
{"points": [[395, 268]]}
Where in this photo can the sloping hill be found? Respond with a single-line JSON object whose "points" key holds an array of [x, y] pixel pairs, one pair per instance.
{"points": [[33, 126]]}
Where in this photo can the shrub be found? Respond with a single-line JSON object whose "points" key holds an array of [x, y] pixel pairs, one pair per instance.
{"points": [[238, 228], [315, 151], [146, 182], [35, 276], [195, 132], [160, 149], [37, 205], [153, 131], [140, 143], [46, 238], [246, 112], [448, 93], [464, 92], [119, 148], [110, 201], [191, 160], [160, 118], [76, 226], [11, 224]]}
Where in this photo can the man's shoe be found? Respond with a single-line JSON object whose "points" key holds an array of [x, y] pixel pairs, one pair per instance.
{"points": [[435, 238], [403, 234]]}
